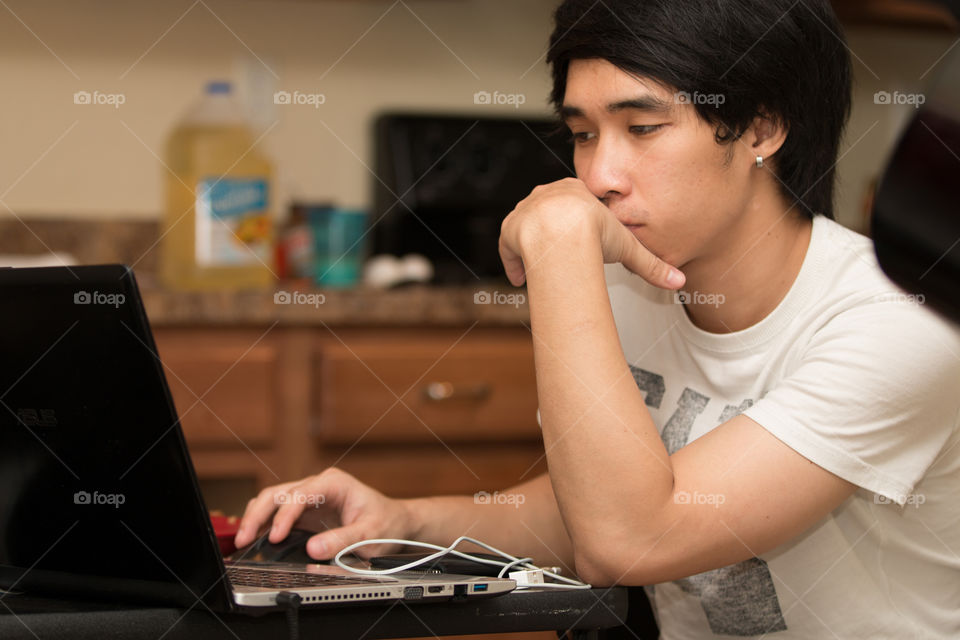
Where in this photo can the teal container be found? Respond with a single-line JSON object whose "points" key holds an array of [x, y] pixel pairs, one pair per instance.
{"points": [[339, 244]]}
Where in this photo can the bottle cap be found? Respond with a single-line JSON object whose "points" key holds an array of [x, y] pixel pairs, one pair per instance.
{"points": [[218, 86]]}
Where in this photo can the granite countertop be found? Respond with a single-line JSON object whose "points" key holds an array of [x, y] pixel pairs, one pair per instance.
{"points": [[299, 305], [134, 242]]}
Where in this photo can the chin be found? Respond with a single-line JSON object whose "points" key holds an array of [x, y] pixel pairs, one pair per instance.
{"points": [[671, 255], [646, 238], [669, 252]]}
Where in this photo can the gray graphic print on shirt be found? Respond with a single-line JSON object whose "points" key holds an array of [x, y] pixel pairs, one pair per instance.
{"points": [[739, 600]]}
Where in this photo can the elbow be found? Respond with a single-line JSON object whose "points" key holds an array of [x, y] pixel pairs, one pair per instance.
{"points": [[628, 560], [592, 573], [629, 569], [598, 567], [626, 552]]}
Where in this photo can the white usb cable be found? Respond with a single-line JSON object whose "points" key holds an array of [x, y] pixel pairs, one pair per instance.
{"points": [[529, 575]]}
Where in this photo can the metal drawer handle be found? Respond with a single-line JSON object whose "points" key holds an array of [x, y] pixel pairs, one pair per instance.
{"points": [[446, 391]]}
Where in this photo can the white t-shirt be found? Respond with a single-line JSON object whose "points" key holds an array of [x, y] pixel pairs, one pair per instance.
{"points": [[861, 379]]}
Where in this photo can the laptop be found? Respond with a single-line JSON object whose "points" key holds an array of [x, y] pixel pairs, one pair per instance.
{"points": [[98, 496]]}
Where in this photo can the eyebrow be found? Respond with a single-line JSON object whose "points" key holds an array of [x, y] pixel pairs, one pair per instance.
{"points": [[649, 104]]}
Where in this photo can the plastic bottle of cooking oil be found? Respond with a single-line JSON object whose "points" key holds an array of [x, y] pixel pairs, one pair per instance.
{"points": [[217, 229]]}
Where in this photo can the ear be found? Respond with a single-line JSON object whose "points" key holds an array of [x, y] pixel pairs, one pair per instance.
{"points": [[766, 135]]}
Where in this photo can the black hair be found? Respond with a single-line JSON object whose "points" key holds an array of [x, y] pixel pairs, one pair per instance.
{"points": [[783, 59]]}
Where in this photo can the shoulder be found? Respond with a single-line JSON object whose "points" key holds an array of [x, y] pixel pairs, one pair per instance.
{"points": [[847, 266], [869, 351], [855, 300]]}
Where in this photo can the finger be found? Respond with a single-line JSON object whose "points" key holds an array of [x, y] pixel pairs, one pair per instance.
{"points": [[258, 512], [250, 527], [515, 272], [240, 540], [254, 516], [641, 261], [294, 503], [330, 489], [288, 512], [512, 265], [324, 546]]}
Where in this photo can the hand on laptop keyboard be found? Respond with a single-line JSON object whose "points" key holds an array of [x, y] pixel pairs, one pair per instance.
{"points": [[293, 549], [334, 503]]}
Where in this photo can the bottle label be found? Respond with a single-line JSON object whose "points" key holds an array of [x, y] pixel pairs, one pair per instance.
{"points": [[233, 226]]}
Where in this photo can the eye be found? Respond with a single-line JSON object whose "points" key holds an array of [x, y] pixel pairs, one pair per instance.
{"points": [[645, 129], [582, 137]]}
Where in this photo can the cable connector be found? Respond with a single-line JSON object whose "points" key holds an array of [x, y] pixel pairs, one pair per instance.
{"points": [[527, 578], [526, 575], [291, 604]]}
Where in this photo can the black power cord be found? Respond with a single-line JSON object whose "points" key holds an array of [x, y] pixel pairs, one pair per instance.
{"points": [[291, 605]]}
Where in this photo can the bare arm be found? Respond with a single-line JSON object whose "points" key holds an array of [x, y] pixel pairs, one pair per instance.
{"points": [[532, 528], [620, 493], [344, 510]]}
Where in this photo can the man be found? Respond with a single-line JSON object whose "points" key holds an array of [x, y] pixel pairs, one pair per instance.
{"points": [[772, 449]]}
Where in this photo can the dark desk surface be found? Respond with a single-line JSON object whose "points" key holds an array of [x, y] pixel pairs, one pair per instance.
{"points": [[34, 618]]}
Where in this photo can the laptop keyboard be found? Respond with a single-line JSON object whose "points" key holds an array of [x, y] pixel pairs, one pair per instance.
{"points": [[248, 577]]}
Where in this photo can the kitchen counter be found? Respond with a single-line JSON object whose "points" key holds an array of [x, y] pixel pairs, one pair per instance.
{"points": [[134, 242], [297, 305]]}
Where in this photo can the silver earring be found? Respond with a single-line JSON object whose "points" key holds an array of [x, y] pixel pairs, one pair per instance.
{"points": [[759, 162]]}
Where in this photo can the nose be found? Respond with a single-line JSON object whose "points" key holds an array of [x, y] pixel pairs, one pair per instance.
{"points": [[603, 168]]}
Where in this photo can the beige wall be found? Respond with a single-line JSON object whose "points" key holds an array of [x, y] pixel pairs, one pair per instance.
{"points": [[99, 161], [61, 158], [883, 60]]}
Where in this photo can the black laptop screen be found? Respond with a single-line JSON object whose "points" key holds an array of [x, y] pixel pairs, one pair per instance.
{"points": [[97, 494]]}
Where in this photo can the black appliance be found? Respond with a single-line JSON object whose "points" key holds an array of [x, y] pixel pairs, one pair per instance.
{"points": [[916, 212], [445, 183]]}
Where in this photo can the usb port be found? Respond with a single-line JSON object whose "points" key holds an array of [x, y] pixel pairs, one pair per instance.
{"points": [[480, 587], [435, 589]]}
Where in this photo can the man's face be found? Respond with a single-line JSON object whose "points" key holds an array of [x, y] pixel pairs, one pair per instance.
{"points": [[655, 163]]}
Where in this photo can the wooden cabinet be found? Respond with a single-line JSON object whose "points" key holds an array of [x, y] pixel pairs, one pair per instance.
{"points": [[413, 388], [409, 411], [896, 13], [224, 386]]}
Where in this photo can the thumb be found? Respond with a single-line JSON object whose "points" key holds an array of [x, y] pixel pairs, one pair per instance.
{"points": [[324, 546]]}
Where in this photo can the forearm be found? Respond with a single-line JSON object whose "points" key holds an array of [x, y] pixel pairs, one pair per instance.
{"points": [[611, 474], [527, 525]]}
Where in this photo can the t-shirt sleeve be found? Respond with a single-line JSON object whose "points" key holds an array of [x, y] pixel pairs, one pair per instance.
{"points": [[874, 398]]}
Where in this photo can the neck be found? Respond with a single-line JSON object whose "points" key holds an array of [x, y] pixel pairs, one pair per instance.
{"points": [[751, 269]]}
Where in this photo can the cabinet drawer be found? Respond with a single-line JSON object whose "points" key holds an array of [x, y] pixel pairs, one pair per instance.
{"points": [[424, 389], [410, 470], [233, 374]]}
